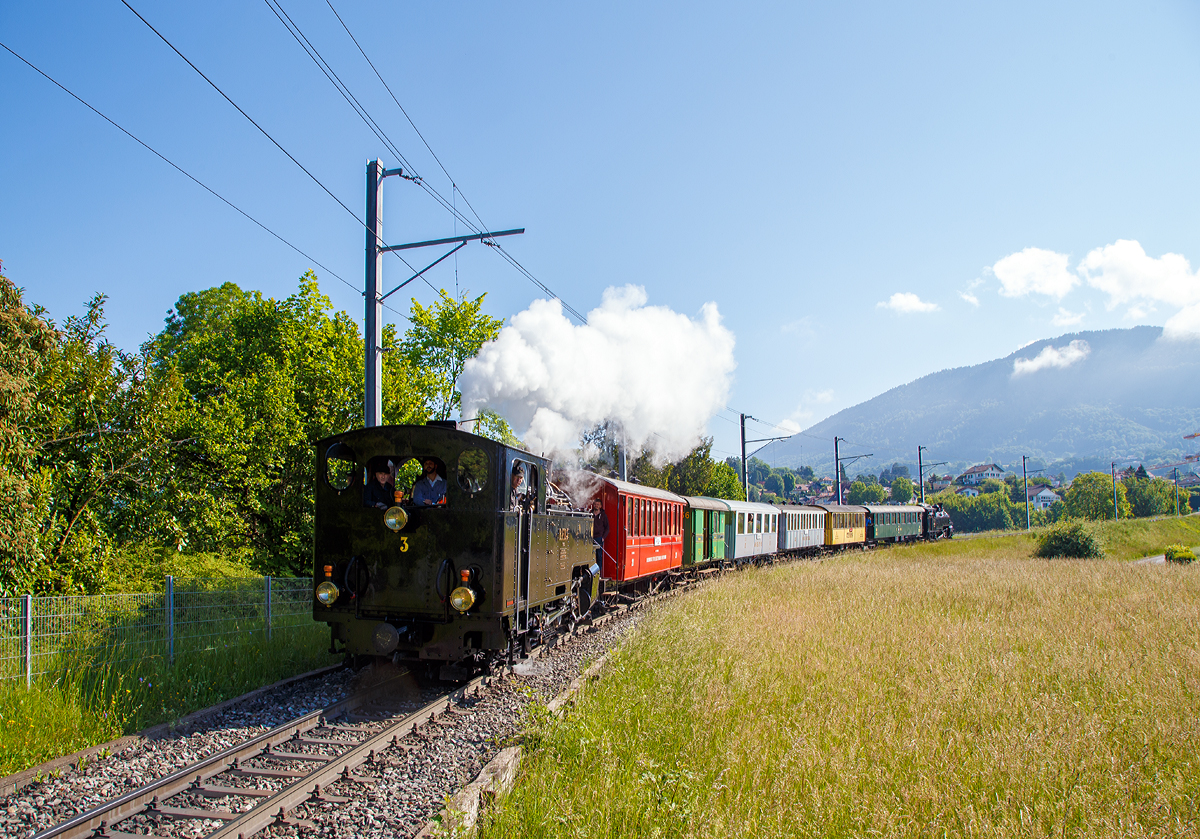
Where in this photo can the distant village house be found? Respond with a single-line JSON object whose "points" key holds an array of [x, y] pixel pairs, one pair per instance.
{"points": [[978, 474]]}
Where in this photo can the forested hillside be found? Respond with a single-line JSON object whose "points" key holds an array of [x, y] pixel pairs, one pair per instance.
{"points": [[1078, 400], [115, 464]]}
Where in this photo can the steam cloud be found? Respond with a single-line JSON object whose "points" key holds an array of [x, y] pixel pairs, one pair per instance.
{"points": [[657, 375]]}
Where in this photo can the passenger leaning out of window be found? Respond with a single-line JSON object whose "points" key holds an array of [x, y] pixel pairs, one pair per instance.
{"points": [[379, 491], [430, 488]]}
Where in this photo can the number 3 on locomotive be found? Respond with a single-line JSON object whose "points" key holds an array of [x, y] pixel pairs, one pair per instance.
{"points": [[403, 544]]}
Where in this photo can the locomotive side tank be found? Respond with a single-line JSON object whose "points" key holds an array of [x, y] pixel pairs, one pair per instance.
{"points": [[463, 559]]}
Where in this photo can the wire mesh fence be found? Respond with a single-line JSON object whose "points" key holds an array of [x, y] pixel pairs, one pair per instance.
{"points": [[39, 634]]}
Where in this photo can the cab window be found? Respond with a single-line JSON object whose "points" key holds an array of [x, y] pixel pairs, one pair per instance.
{"points": [[472, 470], [409, 481]]}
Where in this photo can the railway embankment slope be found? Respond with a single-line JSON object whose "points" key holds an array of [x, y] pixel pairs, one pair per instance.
{"points": [[959, 688]]}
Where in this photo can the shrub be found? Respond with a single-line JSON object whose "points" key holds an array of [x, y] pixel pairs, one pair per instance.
{"points": [[1072, 538], [1179, 553]]}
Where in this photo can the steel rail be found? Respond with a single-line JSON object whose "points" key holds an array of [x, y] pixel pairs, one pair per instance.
{"points": [[138, 800]]}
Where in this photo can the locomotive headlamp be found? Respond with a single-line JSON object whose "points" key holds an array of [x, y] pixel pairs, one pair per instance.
{"points": [[462, 598], [395, 518], [327, 593]]}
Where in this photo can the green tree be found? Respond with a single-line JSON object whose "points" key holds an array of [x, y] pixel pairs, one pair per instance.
{"points": [[1090, 496], [724, 482], [26, 338], [902, 490], [265, 378], [758, 469], [1150, 496], [691, 475], [861, 493], [440, 341], [991, 485], [774, 483], [789, 482], [109, 421]]}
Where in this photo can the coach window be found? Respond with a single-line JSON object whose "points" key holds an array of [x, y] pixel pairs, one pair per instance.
{"points": [[741, 522], [340, 467], [472, 470], [628, 502]]}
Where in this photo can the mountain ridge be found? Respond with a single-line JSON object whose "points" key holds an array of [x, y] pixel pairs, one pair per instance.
{"points": [[1076, 401]]}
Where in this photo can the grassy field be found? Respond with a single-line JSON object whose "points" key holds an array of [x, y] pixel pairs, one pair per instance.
{"points": [[957, 689], [93, 700]]}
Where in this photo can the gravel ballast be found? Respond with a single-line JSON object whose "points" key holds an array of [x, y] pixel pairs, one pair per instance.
{"points": [[408, 783]]}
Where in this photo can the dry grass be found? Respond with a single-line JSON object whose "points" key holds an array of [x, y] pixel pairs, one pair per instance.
{"points": [[948, 690]]}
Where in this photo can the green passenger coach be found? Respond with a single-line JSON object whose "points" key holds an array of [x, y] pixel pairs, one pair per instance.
{"points": [[894, 523], [704, 530]]}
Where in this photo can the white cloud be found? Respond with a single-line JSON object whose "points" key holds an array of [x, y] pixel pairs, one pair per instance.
{"points": [[1126, 274], [1184, 325], [1036, 271], [656, 374], [804, 411], [970, 298], [907, 303], [1072, 353], [1066, 318]]}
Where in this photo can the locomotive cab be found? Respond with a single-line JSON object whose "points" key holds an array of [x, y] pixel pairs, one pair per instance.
{"points": [[436, 544]]}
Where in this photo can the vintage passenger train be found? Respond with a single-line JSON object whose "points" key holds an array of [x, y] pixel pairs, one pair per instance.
{"points": [[437, 545]]}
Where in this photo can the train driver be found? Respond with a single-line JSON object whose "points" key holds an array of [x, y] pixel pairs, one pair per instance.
{"points": [[379, 491], [430, 488], [599, 529]]}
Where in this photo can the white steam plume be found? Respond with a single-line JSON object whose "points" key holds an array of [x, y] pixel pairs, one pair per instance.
{"points": [[657, 375]]}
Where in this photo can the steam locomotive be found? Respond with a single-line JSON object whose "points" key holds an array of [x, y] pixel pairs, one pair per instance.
{"points": [[440, 546]]}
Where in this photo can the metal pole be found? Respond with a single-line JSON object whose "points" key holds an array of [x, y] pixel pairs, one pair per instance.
{"points": [[267, 610], [1025, 481], [1176, 472], [920, 474], [27, 638], [169, 608], [745, 474], [373, 293], [1116, 512], [837, 469]]}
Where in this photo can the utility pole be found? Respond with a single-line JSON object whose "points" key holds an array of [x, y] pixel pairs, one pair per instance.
{"points": [[1025, 481], [837, 468], [745, 475], [373, 321], [1176, 473], [373, 290], [1116, 512], [920, 473]]}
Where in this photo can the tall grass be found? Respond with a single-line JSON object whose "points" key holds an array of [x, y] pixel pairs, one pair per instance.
{"points": [[956, 689], [90, 698]]}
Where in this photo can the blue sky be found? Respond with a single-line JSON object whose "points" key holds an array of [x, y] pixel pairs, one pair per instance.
{"points": [[798, 164]]}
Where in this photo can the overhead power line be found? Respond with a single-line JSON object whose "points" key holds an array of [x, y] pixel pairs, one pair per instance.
{"points": [[449, 205], [243, 113], [168, 161]]}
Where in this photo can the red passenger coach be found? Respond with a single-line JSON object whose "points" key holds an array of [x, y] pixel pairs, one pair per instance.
{"points": [[645, 530]]}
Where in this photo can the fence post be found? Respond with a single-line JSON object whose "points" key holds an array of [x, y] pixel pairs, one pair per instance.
{"points": [[267, 611], [169, 608], [27, 637]]}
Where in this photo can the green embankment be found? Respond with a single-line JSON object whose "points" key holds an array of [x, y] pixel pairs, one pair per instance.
{"points": [[954, 689], [93, 700]]}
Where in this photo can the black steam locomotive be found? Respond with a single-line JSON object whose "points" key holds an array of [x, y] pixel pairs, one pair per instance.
{"points": [[439, 545]]}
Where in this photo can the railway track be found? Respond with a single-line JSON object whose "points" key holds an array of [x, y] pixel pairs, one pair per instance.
{"points": [[260, 781]]}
